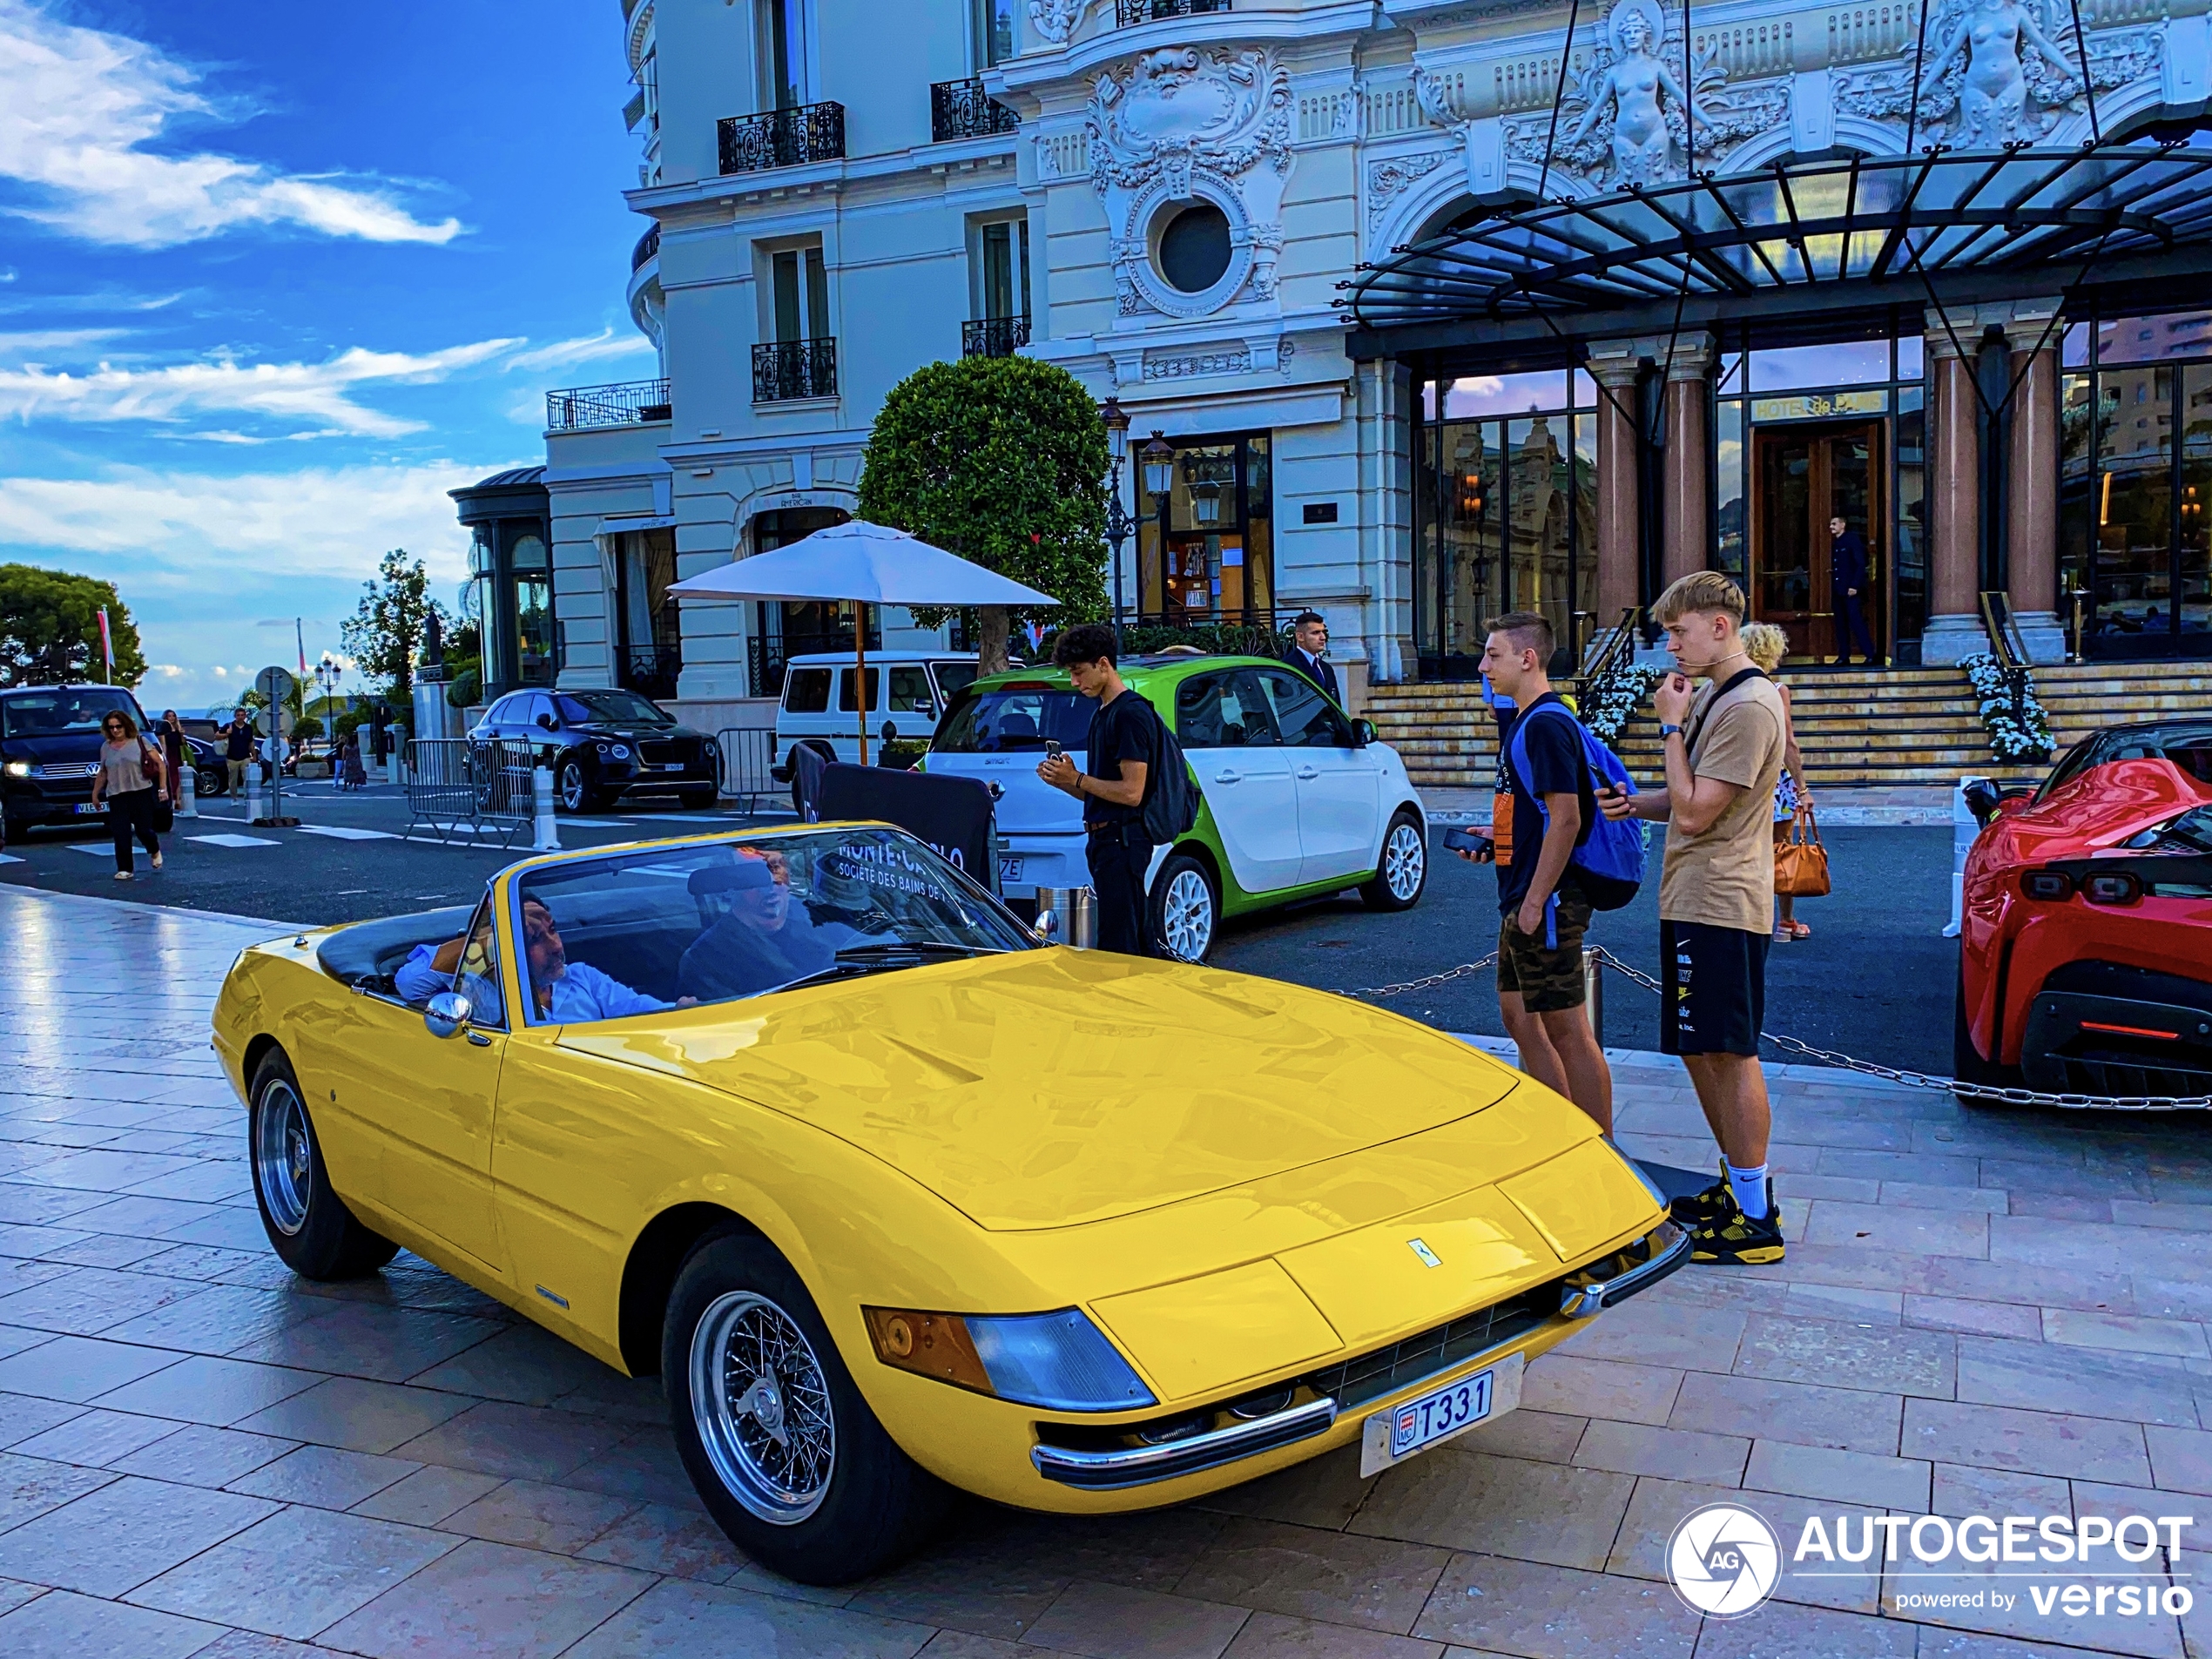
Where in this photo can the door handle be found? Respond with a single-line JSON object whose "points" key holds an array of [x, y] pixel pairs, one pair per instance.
{"points": [[1309, 772], [1224, 776]]}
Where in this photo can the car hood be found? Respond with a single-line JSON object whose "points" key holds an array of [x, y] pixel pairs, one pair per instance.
{"points": [[57, 747], [2096, 812], [1053, 1088], [633, 733]]}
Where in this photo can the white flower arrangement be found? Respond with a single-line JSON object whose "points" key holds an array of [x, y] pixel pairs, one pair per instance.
{"points": [[2019, 729], [1610, 701]]}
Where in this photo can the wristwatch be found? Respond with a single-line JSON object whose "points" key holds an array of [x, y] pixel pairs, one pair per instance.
{"points": [[1667, 731]]}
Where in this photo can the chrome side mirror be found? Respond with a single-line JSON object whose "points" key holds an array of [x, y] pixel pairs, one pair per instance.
{"points": [[446, 1015]]}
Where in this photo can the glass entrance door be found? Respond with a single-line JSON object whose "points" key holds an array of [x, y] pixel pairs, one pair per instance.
{"points": [[1805, 475]]}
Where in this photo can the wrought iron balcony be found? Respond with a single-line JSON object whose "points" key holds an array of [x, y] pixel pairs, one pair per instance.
{"points": [[650, 671], [648, 249], [784, 369], [961, 110], [782, 137], [1129, 13], [628, 403], [993, 336]]}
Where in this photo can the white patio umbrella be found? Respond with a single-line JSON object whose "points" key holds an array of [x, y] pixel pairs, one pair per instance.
{"points": [[867, 564]]}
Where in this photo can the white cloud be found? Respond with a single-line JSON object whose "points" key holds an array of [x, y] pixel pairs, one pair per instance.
{"points": [[586, 348], [76, 105], [19, 345], [294, 392]]}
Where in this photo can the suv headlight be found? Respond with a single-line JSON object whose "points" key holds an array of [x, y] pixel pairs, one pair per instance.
{"points": [[1061, 1362], [621, 751]]}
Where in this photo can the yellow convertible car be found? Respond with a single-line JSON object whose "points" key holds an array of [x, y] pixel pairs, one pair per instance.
{"points": [[895, 1197]]}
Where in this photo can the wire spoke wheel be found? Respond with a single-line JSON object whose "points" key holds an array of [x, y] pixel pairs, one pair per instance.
{"points": [[1405, 862], [761, 1405], [1188, 915], [283, 1158]]}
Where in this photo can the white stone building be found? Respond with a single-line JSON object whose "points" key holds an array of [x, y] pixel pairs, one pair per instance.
{"points": [[1166, 197]]}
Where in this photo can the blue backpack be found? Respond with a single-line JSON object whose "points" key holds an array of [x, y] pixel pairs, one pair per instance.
{"points": [[1609, 854]]}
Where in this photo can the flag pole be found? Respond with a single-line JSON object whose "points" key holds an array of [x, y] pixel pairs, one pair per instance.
{"points": [[107, 645]]}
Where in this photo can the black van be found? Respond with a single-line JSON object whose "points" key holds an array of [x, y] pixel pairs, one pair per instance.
{"points": [[50, 749]]}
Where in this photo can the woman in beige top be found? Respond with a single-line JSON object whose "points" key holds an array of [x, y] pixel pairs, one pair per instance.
{"points": [[134, 783]]}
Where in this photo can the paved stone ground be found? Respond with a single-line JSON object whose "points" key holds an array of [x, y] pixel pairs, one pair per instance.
{"points": [[201, 1455]]}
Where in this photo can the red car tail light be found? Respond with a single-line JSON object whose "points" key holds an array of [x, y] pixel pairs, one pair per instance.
{"points": [[2053, 885], [2117, 887]]}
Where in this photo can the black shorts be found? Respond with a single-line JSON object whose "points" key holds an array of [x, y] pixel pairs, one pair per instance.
{"points": [[1714, 988]]}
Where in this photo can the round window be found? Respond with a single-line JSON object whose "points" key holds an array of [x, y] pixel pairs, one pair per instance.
{"points": [[1194, 248]]}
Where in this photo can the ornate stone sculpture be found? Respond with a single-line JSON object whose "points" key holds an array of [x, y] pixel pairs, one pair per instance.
{"points": [[1185, 123], [1992, 89], [1630, 87], [1055, 20]]}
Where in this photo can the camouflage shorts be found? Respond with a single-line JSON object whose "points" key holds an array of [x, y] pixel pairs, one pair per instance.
{"points": [[1549, 977]]}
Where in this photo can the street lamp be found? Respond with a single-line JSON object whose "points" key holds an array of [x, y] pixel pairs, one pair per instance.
{"points": [[1158, 458], [1114, 418]]}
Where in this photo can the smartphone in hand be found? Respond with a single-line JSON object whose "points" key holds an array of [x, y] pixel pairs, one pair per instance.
{"points": [[1480, 848], [1052, 748]]}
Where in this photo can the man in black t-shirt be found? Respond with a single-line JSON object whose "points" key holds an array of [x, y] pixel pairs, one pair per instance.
{"points": [[1124, 750], [1544, 910]]}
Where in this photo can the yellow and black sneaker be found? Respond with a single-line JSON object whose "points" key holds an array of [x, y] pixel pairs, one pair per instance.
{"points": [[1733, 1239], [1700, 1208]]}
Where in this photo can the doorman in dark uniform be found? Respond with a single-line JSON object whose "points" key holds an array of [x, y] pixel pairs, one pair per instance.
{"points": [[1309, 638], [1847, 575]]}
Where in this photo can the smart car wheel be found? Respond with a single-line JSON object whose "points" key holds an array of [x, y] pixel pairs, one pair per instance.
{"points": [[308, 1223], [785, 1454], [573, 787], [1400, 880], [1184, 908]]}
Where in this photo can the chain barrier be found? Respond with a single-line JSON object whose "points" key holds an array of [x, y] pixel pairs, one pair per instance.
{"points": [[1845, 1062]]}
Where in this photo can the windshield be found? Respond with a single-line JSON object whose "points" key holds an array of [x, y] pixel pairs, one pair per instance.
{"points": [[620, 708], [1014, 716], [646, 931], [50, 712]]}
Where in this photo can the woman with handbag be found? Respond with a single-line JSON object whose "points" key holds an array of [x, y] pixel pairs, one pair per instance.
{"points": [[131, 778], [1765, 644]]}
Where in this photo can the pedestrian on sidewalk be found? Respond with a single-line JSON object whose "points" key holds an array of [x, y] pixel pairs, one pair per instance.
{"points": [[1847, 577], [1765, 644], [1122, 753], [1724, 756], [130, 778], [238, 750], [356, 775], [176, 753], [1309, 639], [1544, 911]]}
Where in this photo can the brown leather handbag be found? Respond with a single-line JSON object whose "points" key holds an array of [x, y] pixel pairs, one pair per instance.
{"points": [[1800, 861]]}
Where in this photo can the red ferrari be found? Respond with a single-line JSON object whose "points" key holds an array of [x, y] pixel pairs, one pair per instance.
{"points": [[2085, 962]]}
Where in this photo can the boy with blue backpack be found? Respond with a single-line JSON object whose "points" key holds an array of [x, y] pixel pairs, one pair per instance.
{"points": [[1568, 859]]}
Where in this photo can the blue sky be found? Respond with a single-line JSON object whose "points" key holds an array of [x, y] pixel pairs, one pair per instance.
{"points": [[274, 277]]}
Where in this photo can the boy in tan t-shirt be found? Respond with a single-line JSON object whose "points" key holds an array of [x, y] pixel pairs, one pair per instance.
{"points": [[1723, 748]]}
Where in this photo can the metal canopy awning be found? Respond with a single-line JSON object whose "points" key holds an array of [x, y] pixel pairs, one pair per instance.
{"points": [[1802, 249]]}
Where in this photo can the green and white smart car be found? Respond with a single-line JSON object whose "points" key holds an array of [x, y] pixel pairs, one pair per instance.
{"points": [[1299, 801]]}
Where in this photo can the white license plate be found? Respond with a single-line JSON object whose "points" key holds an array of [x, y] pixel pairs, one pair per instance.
{"points": [[1010, 870], [671, 766], [1404, 1431], [87, 809]]}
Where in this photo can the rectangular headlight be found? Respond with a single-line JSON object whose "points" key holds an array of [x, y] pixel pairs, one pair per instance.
{"points": [[1061, 1362]]}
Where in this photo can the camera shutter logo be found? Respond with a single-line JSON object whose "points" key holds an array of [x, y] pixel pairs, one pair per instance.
{"points": [[1724, 1561]]}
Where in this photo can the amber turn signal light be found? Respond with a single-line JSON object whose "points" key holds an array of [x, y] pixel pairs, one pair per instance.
{"points": [[931, 1345]]}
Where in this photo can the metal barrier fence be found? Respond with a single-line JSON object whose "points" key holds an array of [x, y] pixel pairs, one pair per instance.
{"points": [[459, 789], [747, 754]]}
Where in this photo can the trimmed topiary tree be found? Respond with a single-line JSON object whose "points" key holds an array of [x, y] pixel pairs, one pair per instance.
{"points": [[1002, 461]]}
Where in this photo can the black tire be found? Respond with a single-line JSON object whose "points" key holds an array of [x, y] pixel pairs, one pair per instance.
{"points": [[1967, 1063], [317, 1236], [1182, 912], [698, 800], [209, 781], [572, 788], [1403, 875], [872, 1504]]}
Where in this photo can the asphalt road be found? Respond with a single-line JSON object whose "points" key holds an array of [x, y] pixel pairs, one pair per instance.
{"points": [[1874, 981]]}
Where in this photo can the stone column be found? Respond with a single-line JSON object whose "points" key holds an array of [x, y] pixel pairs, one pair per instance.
{"points": [[1613, 364], [1688, 522], [2032, 486], [1954, 628]]}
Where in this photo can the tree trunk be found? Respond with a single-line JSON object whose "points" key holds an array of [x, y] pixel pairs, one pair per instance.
{"points": [[993, 630]]}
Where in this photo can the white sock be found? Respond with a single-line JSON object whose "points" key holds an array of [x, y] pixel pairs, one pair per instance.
{"points": [[1749, 1188]]}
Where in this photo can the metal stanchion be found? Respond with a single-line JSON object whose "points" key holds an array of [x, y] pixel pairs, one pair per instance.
{"points": [[1964, 830], [549, 832], [1593, 991], [187, 791], [253, 793]]}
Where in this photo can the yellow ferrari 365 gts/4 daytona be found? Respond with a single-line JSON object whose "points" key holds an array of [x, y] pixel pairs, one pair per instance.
{"points": [[895, 1197]]}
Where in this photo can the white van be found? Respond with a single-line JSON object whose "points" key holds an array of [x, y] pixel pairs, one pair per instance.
{"points": [[906, 689]]}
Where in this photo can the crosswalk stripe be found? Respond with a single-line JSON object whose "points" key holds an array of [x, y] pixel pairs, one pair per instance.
{"points": [[340, 831]]}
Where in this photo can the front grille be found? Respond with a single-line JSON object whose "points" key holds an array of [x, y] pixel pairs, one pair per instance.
{"points": [[62, 769], [661, 750], [1371, 1376]]}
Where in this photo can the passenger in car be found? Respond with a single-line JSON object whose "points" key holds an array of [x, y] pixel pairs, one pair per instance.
{"points": [[754, 941], [565, 992]]}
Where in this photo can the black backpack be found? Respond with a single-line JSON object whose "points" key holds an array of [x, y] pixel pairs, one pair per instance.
{"points": [[1170, 796]]}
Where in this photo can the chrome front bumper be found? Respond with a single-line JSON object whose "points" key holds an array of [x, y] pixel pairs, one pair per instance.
{"points": [[1612, 1282]]}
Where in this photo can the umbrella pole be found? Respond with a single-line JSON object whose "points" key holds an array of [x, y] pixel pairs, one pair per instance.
{"points": [[860, 697]]}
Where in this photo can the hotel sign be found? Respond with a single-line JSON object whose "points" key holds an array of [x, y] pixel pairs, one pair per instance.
{"points": [[1819, 406]]}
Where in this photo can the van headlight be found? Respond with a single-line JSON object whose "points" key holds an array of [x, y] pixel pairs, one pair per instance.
{"points": [[17, 769], [1061, 1362]]}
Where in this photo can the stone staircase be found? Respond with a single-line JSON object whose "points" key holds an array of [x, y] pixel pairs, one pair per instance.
{"points": [[1886, 726]]}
